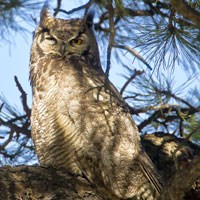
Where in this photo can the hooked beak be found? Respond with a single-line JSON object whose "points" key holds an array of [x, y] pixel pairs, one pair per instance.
{"points": [[63, 49]]}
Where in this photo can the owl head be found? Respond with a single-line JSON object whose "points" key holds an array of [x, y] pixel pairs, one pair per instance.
{"points": [[62, 38]]}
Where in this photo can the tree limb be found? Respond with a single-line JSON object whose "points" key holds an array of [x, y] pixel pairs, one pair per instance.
{"points": [[37, 182], [187, 176]]}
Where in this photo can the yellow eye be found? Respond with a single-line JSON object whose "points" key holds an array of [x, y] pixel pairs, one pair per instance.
{"points": [[77, 41]]}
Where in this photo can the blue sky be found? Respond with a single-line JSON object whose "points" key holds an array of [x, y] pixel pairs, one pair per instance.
{"points": [[15, 61]]}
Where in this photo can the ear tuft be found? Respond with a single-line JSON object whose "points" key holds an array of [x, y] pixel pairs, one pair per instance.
{"points": [[45, 15]]}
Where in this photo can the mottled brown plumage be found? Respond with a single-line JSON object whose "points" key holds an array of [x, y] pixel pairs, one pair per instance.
{"points": [[79, 122]]}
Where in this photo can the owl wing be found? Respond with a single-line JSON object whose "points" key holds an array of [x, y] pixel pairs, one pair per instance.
{"points": [[132, 170], [104, 138]]}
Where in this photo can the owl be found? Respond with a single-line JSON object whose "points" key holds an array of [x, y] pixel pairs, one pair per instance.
{"points": [[79, 121]]}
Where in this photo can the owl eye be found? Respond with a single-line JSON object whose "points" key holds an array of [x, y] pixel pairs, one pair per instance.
{"points": [[76, 41], [50, 38]]}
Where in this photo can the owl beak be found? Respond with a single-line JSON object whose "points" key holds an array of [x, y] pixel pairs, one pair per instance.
{"points": [[63, 49]]}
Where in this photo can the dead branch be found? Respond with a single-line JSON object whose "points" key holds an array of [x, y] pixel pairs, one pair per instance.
{"points": [[188, 176], [15, 128], [57, 8], [35, 182], [132, 51], [3, 146], [136, 73], [111, 37], [85, 6], [27, 110]]}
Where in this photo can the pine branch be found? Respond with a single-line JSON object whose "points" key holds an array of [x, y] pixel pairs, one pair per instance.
{"points": [[186, 11]]}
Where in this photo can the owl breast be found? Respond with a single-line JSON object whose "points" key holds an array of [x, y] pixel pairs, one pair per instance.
{"points": [[81, 120]]}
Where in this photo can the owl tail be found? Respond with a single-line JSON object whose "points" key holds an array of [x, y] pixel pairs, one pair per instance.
{"points": [[152, 186]]}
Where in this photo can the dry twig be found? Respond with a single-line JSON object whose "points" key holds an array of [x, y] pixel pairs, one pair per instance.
{"points": [[129, 49], [27, 110]]}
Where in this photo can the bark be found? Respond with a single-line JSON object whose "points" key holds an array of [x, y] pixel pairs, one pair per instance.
{"points": [[178, 162], [176, 159], [36, 182]]}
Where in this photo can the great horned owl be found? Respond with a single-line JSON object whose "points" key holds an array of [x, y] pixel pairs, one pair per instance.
{"points": [[79, 121]]}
